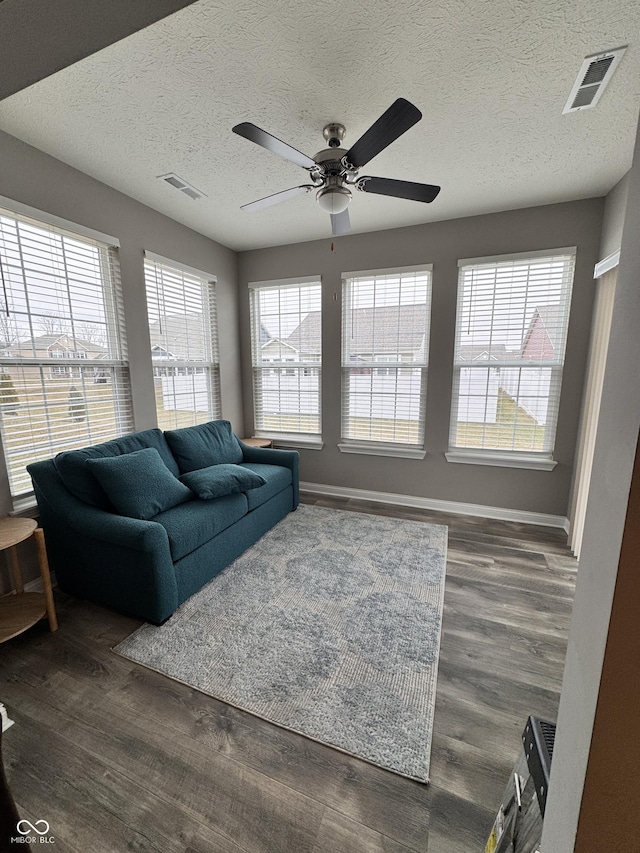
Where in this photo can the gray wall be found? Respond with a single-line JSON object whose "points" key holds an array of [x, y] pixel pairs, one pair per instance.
{"points": [[613, 219], [36, 179], [54, 35], [442, 244], [615, 451]]}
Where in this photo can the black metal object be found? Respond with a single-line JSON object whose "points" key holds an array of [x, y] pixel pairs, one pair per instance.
{"points": [[538, 739]]}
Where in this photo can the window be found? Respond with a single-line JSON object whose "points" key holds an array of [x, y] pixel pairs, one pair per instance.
{"points": [[511, 331], [59, 299], [286, 356], [59, 369], [385, 345], [181, 304]]}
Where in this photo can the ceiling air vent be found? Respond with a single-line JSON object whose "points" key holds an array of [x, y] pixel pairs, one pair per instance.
{"points": [[592, 79], [181, 185]]}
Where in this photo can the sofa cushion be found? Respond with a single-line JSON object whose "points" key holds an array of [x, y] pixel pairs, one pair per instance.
{"points": [[216, 481], [70, 464], [207, 444], [139, 484], [192, 524], [277, 478]]}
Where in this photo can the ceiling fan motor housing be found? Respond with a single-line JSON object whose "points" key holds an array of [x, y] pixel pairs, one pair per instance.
{"points": [[330, 159]]}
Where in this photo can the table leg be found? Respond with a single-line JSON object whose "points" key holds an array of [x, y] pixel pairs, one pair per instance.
{"points": [[46, 578], [15, 569]]}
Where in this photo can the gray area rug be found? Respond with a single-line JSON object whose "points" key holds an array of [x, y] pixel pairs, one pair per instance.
{"points": [[328, 626]]}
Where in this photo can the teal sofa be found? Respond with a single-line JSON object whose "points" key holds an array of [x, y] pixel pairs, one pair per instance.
{"points": [[140, 523]]}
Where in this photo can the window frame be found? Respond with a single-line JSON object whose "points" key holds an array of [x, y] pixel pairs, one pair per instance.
{"points": [[171, 367], [283, 366], [65, 364], [510, 457], [381, 365]]}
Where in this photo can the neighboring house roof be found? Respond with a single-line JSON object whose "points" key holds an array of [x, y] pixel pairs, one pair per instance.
{"points": [[307, 336], [277, 344], [46, 342], [549, 314], [161, 352], [482, 352], [265, 337], [182, 335], [384, 329]]}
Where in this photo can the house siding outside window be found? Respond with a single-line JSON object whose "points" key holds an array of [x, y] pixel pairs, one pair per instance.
{"points": [[181, 306], [511, 330], [64, 375], [286, 347], [385, 349]]}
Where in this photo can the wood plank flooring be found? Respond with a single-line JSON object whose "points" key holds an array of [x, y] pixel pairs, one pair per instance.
{"points": [[116, 757]]}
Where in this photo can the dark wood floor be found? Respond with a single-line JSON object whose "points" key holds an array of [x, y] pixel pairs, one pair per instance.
{"points": [[116, 757]]}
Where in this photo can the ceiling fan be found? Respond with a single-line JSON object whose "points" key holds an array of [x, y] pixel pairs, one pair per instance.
{"points": [[334, 170]]}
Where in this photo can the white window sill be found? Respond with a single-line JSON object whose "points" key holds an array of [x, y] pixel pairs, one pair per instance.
{"points": [[383, 450], [25, 507], [297, 444], [501, 460]]}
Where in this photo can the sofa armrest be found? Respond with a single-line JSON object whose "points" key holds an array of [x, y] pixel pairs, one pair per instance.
{"points": [[270, 456], [91, 521], [118, 529], [119, 562]]}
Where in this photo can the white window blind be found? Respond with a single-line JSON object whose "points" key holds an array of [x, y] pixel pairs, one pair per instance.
{"points": [[385, 347], [286, 345], [184, 345], [64, 377], [511, 332]]}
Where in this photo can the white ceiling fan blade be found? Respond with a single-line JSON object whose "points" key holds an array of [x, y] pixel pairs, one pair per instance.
{"points": [[276, 198], [267, 140], [340, 223]]}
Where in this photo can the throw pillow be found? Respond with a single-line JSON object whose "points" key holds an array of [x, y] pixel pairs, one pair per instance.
{"points": [[216, 481], [138, 484], [70, 464], [207, 444]]}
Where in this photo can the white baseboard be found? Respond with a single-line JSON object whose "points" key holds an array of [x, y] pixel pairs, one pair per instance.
{"points": [[36, 584], [452, 507]]}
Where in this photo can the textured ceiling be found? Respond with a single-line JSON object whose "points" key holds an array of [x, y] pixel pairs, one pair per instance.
{"points": [[491, 78]]}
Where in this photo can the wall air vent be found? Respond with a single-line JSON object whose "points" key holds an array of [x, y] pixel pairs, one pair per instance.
{"points": [[173, 180], [592, 79]]}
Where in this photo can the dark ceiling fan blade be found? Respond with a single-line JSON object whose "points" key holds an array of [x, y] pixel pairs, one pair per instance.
{"points": [[271, 143], [400, 116], [398, 189], [276, 198], [340, 223]]}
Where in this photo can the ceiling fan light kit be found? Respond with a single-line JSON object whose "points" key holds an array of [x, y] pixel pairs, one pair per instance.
{"points": [[333, 170], [333, 199]]}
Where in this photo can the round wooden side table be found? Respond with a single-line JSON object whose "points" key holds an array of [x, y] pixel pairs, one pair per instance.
{"points": [[22, 610], [258, 442]]}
